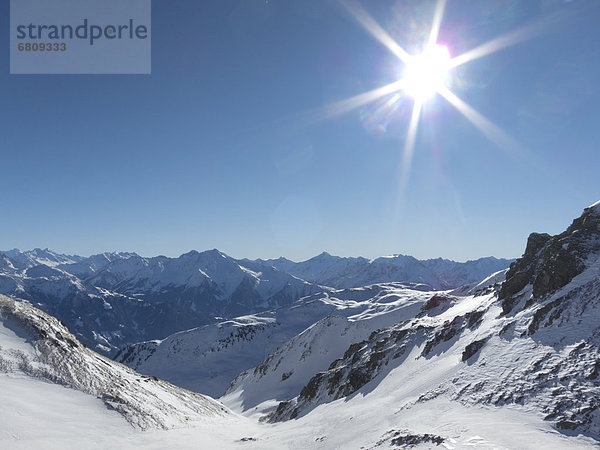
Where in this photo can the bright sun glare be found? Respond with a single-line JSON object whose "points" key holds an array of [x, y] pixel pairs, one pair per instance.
{"points": [[427, 73]]}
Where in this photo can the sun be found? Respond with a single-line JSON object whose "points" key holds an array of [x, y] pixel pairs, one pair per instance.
{"points": [[427, 73]]}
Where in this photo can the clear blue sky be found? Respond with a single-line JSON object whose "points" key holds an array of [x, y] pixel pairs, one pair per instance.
{"points": [[213, 149]]}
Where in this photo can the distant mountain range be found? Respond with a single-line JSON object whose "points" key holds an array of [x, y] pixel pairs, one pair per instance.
{"points": [[341, 273], [114, 299]]}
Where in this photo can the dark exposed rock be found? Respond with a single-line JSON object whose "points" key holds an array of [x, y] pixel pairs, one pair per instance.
{"points": [[472, 348], [286, 375], [415, 439], [353, 349], [334, 381], [595, 371], [437, 304], [357, 379], [310, 390], [435, 301], [521, 271], [280, 411], [543, 313], [406, 439], [567, 425], [451, 329], [474, 318]]}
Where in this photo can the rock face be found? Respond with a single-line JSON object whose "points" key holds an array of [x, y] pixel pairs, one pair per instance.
{"points": [[53, 354], [550, 262]]}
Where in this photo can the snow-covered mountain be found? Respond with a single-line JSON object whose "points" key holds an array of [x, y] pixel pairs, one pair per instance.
{"points": [[37, 256], [209, 280], [530, 344], [86, 267], [101, 319], [339, 272], [114, 299], [36, 348]]}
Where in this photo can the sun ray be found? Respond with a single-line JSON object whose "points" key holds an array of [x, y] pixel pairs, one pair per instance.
{"points": [[409, 145], [382, 115], [496, 134], [371, 25], [349, 104], [438, 15], [529, 31]]}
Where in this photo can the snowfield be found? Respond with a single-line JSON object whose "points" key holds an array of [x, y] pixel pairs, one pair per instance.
{"points": [[37, 414]]}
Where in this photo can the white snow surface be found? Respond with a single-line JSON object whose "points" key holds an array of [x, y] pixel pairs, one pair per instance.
{"points": [[36, 347]]}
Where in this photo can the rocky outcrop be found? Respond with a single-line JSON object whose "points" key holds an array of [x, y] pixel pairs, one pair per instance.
{"points": [[472, 349], [361, 363], [366, 360], [551, 262], [406, 439]]}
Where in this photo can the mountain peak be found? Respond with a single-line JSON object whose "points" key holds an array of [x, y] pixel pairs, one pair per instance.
{"points": [[595, 207], [214, 253], [323, 256]]}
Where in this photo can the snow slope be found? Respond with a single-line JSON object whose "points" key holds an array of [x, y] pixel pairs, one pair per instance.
{"points": [[35, 346], [208, 358]]}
